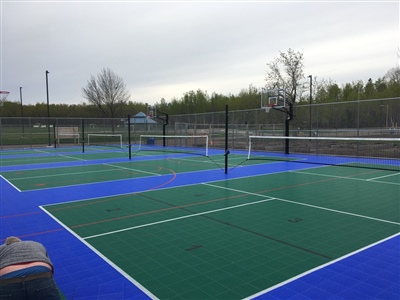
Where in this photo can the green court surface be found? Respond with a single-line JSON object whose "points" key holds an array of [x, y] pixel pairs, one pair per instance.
{"points": [[58, 158], [231, 239], [32, 179]]}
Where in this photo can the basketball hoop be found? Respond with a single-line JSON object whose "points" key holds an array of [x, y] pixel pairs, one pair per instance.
{"points": [[268, 107], [3, 97]]}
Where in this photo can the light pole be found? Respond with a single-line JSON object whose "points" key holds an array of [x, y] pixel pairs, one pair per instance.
{"points": [[310, 76], [22, 111], [48, 108]]}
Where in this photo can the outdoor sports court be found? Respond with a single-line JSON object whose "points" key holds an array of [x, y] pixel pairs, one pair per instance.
{"points": [[175, 226]]}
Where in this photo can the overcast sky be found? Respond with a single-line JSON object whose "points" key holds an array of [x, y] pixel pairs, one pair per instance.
{"points": [[163, 49]]}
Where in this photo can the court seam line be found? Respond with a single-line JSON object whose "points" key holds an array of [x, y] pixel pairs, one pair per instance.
{"points": [[309, 205], [179, 218], [344, 177]]}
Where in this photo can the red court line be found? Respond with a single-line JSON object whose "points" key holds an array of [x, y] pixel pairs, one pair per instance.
{"points": [[197, 203], [21, 215], [214, 200], [158, 210], [36, 233], [113, 198]]}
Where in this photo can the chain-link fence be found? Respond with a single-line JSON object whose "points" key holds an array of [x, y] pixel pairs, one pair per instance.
{"points": [[366, 118]]}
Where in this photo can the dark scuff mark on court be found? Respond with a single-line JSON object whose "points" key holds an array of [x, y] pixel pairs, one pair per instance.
{"points": [[194, 247]]}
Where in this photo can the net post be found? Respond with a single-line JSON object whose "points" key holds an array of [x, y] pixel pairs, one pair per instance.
{"points": [[226, 139], [129, 137], [54, 135], [83, 135], [207, 145], [248, 154]]}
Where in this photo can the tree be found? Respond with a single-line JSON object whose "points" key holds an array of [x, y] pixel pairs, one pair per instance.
{"points": [[286, 72], [107, 92]]}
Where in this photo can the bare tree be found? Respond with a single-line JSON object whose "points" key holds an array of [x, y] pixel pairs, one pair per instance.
{"points": [[107, 91], [286, 72]]}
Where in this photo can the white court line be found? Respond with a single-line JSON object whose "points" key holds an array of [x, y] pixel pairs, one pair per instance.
{"points": [[338, 211], [235, 190], [10, 183], [41, 151], [63, 174], [309, 205], [318, 268], [79, 173], [240, 205], [130, 169], [35, 159], [344, 177], [375, 178], [122, 272], [179, 218], [67, 156]]}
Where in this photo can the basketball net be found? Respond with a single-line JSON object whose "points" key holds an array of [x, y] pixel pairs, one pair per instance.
{"points": [[268, 107], [3, 97]]}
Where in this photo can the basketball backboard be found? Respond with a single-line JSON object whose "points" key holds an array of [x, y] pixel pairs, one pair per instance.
{"points": [[274, 98]]}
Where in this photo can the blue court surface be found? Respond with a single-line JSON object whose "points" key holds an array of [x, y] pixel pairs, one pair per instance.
{"points": [[34, 187]]}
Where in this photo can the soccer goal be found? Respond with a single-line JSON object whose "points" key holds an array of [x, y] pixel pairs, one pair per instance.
{"points": [[109, 140], [192, 144]]}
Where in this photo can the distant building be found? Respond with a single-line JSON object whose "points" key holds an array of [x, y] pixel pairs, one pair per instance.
{"points": [[141, 121]]}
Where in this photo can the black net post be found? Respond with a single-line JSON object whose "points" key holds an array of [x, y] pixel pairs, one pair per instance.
{"points": [[287, 124], [226, 139]]}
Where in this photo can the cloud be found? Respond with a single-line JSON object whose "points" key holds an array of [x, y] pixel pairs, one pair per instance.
{"points": [[164, 49]]}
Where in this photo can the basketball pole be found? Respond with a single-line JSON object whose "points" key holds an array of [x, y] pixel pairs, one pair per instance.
{"points": [[165, 120]]}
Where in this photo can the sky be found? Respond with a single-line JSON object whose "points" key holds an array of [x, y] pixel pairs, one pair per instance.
{"points": [[164, 49]]}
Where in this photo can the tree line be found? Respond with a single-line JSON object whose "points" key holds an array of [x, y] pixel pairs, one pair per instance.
{"points": [[107, 95]]}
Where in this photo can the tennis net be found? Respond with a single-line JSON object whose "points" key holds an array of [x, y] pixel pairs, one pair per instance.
{"points": [[109, 140], [191, 144], [375, 153]]}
